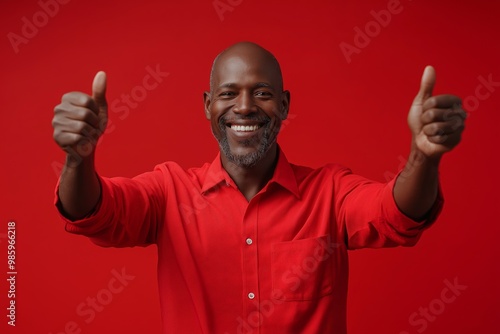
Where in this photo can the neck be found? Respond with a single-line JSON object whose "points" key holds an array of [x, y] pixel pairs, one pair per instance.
{"points": [[250, 180]]}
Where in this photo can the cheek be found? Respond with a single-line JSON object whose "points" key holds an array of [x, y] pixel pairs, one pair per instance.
{"points": [[216, 128], [272, 109], [276, 116], [217, 110], [215, 115]]}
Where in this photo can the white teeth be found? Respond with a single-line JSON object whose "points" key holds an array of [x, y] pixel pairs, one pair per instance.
{"points": [[244, 128]]}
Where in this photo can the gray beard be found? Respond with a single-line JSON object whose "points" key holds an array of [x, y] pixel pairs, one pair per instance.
{"points": [[250, 159]]}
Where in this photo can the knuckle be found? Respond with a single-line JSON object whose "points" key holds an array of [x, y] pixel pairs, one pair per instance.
{"points": [[60, 108], [432, 102], [77, 98], [76, 138], [67, 96], [435, 129], [86, 115], [452, 114], [86, 101], [428, 116], [431, 114], [80, 113], [71, 96], [81, 127]]}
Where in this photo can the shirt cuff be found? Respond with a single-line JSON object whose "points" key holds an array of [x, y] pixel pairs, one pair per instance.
{"points": [[92, 221], [400, 220]]}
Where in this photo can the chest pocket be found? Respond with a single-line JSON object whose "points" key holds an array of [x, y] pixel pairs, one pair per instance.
{"points": [[303, 269]]}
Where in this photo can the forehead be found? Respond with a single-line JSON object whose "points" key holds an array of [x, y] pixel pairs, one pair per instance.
{"points": [[246, 70]]}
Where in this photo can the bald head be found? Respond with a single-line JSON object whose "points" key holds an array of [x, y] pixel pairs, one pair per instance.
{"points": [[247, 54]]}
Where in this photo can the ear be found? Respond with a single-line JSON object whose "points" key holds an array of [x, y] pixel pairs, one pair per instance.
{"points": [[285, 104], [207, 100]]}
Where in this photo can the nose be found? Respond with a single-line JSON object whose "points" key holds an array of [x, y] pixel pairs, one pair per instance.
{"points": [[244, 104]]}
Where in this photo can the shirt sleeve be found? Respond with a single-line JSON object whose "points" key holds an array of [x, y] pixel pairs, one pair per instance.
{"points": [[369, 216], [128, 214]]}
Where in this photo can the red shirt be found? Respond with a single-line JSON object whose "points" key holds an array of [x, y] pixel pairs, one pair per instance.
{"points": [[274, 264]]}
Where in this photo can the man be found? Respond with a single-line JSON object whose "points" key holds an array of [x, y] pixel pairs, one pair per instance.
{"points": [[251, 243]]}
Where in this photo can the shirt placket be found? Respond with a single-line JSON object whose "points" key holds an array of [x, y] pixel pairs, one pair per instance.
{"points": [[252, 318]]}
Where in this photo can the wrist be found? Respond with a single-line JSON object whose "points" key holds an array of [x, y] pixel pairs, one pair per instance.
{"points": [[419, 157], [75, 161]]}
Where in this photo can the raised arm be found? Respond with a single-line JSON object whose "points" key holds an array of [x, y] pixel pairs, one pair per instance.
{"points": [[436, 123], [78, 123]]}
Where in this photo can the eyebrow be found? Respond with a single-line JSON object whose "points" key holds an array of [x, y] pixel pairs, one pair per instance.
{"points": [[257, 85]]}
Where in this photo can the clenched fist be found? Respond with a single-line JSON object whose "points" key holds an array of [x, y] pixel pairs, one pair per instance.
{"points": [[81, 119], [436, 122]]}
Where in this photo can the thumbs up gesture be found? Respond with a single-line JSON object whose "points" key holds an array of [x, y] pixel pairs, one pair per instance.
{"points": [[80, 119], [436, 122]]}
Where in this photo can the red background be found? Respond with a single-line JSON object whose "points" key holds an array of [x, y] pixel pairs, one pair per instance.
{"points": [[353, 113]]}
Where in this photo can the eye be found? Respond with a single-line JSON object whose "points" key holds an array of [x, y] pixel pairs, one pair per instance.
{"points": [[227, 94], [263, 93]]}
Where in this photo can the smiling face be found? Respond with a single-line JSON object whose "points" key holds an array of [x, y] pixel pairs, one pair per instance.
{"points": [[246, 103]]}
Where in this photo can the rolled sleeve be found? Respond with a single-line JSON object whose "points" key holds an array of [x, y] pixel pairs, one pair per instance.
{"points": [[93, 222], [400, 221], [128, 212], [370, 217]]}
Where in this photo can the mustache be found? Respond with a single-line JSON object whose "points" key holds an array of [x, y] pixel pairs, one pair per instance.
{"points": [[231, 119]]}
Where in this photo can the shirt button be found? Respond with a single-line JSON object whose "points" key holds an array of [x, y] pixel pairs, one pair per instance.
{"points": [[249, 241], [251, 295]]}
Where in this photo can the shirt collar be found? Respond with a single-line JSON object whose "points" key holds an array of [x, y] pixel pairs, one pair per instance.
{"points": [[283, 175], [215, 175]]}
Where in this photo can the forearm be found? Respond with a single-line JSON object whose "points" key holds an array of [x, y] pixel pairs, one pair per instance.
{"points": [[416, 188], [79, 188]]}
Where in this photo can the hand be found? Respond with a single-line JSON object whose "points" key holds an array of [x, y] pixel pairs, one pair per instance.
{"points": [[436, 122], [81, 119]]}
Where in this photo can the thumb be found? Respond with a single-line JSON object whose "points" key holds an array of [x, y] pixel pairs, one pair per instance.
{"points": [[426, 85], [99, 91]]}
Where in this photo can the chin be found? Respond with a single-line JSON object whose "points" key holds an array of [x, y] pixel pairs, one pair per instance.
{"points": [[247, 157], [248, 152]]}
